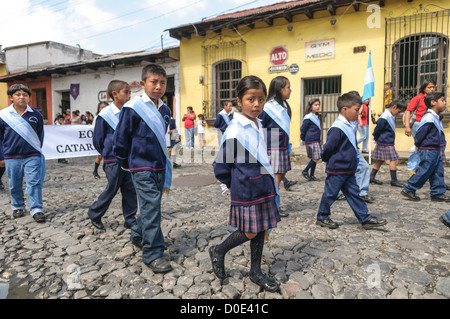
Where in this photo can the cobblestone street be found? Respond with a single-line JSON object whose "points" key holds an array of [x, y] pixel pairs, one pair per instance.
{"points": [[66, 257]]}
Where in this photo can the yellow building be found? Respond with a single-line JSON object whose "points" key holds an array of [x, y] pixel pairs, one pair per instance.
{"points": [[322, 47], [3, 86]]}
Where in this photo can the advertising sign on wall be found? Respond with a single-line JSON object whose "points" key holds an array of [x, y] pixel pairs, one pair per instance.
{"points": [[319, 50]]}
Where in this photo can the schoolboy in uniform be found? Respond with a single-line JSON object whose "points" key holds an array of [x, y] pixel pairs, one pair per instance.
{"points": [[223, 119], [429, 139], [140, 146], [22, 136], [105, 125], [340, 154]]}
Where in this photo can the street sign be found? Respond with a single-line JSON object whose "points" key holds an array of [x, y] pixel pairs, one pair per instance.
{"points": [[278, 55]]}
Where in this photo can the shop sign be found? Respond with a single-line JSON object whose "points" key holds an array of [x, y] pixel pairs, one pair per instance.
{"points": [[135, 86], [319, 50]]}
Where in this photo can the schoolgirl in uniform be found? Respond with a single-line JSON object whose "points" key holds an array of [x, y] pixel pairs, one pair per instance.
{"points": [[310, 132], [243, 166], [384, 136]]}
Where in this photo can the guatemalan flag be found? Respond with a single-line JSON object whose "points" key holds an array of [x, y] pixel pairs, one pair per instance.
{"points": [[369, 81]]}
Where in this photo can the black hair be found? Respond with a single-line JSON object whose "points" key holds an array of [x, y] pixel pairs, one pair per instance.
{"points": [[389, 83], [310, 104], [425, 84], [201, 116], [275, 88], [18, 87], [348, 100], [401, 105], [190, 107], [354, 93], [152, 69], [249, 82], [115, 85], [226, 102], [433, 97], [59, 117]]}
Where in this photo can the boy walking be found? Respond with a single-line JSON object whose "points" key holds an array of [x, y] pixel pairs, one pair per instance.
{"points": [[105, 126], [340, 154], [140, 146], [429, 139], [22, 136]]}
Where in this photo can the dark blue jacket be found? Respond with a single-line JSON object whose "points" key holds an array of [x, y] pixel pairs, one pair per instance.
{"points": [[220, 123], [274, 135], [14, 146], [243, 176], [383, 133], [339, 153], [309, 132], [135, 145], [103, 139], [429, 137]]}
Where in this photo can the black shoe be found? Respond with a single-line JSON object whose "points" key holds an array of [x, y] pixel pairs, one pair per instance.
{"points": [[411, 196], [160, 265], [396, 184], [444, 221], [39, 217], [341, 197], [138, 244], [96, 175], [305, 175], [327, 223], [265, 282], [441, 198], [375, 181], [98, 225], [364, 152], [289, 184], [218, 264], [367, 198], [373, 222], [17, 213], [282, 213], [314, 179], [175, 165]]}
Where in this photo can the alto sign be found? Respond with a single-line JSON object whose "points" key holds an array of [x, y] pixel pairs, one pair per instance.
{"points": [[278, 55]]}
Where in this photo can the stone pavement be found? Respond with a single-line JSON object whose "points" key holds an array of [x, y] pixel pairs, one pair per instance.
{"points": [[66, 257]]}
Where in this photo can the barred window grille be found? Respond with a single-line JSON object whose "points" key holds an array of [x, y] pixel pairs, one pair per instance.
{"points": [[224, 64], [416, 50]]}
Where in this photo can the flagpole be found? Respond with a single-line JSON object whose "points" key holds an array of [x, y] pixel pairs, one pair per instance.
{"points": [[369, 119]]}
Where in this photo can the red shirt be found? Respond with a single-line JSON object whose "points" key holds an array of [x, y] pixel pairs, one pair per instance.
{"points": [[364, 115], [188, 123], [421, 109]]}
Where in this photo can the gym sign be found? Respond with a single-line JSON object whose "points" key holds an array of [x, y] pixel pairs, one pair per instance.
{"points": [[319, 50]]}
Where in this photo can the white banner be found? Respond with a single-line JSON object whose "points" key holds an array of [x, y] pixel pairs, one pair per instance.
{"points": [[64, 141]]}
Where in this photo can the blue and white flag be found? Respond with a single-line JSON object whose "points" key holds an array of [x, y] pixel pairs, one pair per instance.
{"points": [[369, 81]]}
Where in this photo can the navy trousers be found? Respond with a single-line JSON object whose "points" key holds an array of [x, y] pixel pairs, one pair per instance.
{"points": [[350, 189], [149, 189], [117, 178]]}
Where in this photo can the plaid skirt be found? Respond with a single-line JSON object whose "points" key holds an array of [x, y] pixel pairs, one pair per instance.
{"points": [[255, 218], [279, 160], [313, 150], [385, 153]]}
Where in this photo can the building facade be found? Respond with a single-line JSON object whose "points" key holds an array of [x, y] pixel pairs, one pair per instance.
{"points": [[322, 47]]}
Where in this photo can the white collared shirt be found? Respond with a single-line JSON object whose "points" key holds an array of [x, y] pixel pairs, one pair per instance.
{"points": [[146, 98], [114, 108], [246, 121], [12, 109]]}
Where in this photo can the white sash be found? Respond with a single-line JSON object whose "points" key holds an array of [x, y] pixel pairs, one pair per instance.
{"points": [[389, 118], [279, 115], [225, 116], [21, 127], [431, 118], [110, 117], [314, 118], [348, 129], [155, 122]]}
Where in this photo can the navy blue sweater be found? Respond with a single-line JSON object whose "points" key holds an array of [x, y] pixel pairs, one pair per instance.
{"points": [[429, 137], [220, 123], [274, 135], [339, 153], [103, 139], [383, 133], [14, 146], [309, 132], [243, 176], [135, 145]]}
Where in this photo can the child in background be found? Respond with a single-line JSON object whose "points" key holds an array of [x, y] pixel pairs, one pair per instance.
{"points": [[254, 192], [201, 123], [340, 154], [387, 93], [429, 139], [60, 121], [99, 158], [310, 132], [384, 136]]}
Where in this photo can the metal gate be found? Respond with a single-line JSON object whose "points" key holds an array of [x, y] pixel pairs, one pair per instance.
{"points": [[416, 50], [327, 90]]}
